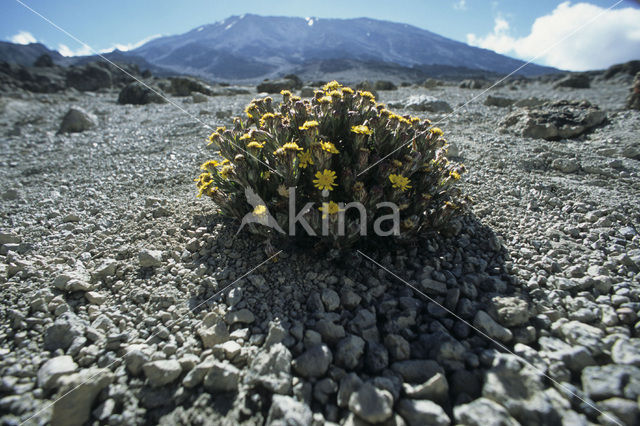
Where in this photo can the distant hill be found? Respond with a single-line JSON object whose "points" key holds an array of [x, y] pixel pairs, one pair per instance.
{"points": [[252, 47], [26, 54]]}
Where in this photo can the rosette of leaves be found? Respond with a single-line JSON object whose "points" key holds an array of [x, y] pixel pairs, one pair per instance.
{"points": [[339, 146]]}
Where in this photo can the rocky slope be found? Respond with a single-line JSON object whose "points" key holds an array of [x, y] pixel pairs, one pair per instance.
{"points": [[133, 300]]}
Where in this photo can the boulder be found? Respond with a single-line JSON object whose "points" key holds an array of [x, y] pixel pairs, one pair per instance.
{"points": [[575, 81], [185, 86], [276, 86], [633, 101], [77, 120], [472, 84], [77, 393], [89, 77], [498, 101], [423, 103], [384, 85], [555, 120], [137, 94]]}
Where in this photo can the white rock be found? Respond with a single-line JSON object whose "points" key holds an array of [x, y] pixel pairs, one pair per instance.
{"points": [[162, 372], [150, 258], [53, 369]]}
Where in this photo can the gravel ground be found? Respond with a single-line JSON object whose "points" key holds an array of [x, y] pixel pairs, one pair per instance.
{"points": [[110, 265]]}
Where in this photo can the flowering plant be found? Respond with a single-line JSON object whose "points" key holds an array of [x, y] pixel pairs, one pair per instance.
{"points": [[336, 148]]}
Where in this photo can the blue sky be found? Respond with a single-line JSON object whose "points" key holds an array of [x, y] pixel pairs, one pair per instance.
{"points": [[506, 26]]}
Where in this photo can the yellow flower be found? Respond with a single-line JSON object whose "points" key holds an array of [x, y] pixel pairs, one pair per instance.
{"points": [[361, 130], [289, 146], [325, 180], [332, 85], [265, 117], [248, 110], [358, 186], [366, 94], [285, 93], [213, 137], [221, 129], [454, 174], [295, 98], [325, 100], [304, 159], [260, 210], [245, 136], [400, 182], [396, 163], [266, 175], [309, 125], [209, 164], [254, 144], [203, 178], [436, 131], [335, 94], [386, 113], [348, 90], [329, 147], [206, 189], [329, 208], [224, 172], [414, 120]]}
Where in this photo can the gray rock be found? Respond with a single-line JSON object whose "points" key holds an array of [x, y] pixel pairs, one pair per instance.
{"points": [[376, 357], [483, 412], [330, 299], [578, 333], [484, 322], [575, 81], [633, 101], [307, 92], [185, 86], [77, 120], [150, 258], [435, 389], [276, 86], [53, 369], [608, 381], [371, 404], [276, 334], [422, 412], [138, 94], [89, 77], [213, 332], [79, 390], [243, 316], [510, 311], [625, 410], [135, 357], [106, 269], [286, 411], [398, 347], [9, 238], [76, 280], [163, 372], [498, 101], [417, 370], [472, 84], [433, 287], [272, 369], [198, 98], [222, 377], [626, 351], [565, 165], [348, 385], [63, 331], [349, 351], [330, 332], [424, 103], [314, 362], [555, 120], [531, 102]]}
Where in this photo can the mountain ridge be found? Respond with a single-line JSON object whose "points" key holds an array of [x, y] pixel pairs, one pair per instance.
{"points": [[250, 48]]}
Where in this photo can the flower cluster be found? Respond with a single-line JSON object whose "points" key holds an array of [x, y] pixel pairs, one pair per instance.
{"points": [[339, 146]]}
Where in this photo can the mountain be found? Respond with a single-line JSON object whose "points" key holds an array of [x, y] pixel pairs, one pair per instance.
{"points": [[26, 54], [252, 47]]}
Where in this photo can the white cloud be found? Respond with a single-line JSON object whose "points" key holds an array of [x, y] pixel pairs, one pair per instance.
{"points": [[23, 37], [86, 50], [612, 37], [460, 5]]}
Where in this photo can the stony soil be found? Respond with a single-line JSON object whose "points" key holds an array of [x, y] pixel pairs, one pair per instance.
{"points": [[528, 315]]}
